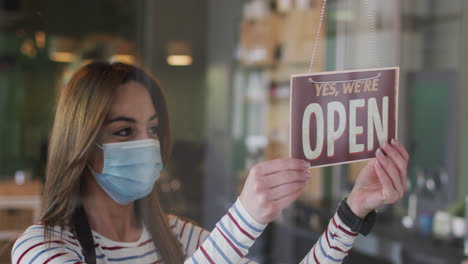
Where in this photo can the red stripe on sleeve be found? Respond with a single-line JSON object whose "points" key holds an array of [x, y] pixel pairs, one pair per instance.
{"points": [[182, 231], [315, 257], [231, 244], [54, 256], [120, 247], [71, 242], [328, 242], [240, 228], [199, 235], [342, 229], [113, 248], [36, 245], [145, 242], [206, 255]]}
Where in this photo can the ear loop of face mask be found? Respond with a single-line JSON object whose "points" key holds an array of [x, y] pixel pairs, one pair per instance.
{"points": [[87, 162]]}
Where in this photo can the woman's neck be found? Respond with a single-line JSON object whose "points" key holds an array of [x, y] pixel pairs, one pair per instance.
{"points": [[112, 220]]}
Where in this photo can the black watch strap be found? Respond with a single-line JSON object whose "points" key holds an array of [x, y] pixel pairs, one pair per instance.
{"points": [[356, 224]]}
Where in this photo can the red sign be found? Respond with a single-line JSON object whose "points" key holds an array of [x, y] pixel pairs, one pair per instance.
{"points": [[341, 117]]}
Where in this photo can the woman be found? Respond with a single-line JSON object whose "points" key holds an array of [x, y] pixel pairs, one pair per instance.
{"points": [[111, 138]]}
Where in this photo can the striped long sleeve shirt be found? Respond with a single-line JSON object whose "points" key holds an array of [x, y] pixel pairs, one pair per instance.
{"points": [[228, 242]]}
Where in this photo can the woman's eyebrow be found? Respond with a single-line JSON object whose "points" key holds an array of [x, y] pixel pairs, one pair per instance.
{"points": [[155, 116], [121, 118]]}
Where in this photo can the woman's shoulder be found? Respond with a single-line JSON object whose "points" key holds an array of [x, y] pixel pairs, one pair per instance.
{"points": [[56, 232], [33, 245]]}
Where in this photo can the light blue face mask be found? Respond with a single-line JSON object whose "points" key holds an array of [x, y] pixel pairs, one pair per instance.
{"points": [[130, 169]]}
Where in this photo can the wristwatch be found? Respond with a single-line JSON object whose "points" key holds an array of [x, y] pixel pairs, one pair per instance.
{"points": [[356, 224]]}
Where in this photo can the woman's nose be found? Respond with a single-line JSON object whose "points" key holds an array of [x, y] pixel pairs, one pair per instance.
{"points": [[142, 136]]}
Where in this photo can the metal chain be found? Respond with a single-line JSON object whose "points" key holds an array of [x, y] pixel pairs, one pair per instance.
{"points": [[370, 23], [353, 80], [317, 36]]}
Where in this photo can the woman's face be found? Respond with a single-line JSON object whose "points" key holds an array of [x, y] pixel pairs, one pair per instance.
{"points": [[132, 117]]}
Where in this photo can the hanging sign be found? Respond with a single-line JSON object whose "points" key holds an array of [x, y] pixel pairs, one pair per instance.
{"points": [[341, 117]]}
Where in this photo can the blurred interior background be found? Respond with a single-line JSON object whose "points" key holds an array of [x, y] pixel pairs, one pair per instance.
{"points": [[225, 67]]}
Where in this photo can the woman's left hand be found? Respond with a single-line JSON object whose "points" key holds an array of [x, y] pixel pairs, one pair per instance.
{"points": [[381, 182]]}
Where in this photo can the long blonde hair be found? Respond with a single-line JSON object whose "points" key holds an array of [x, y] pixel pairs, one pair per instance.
{"points": [[81, 109]]}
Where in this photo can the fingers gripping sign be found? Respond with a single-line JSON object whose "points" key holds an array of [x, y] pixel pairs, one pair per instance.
{"points": [[383, 181], [273, 185]]}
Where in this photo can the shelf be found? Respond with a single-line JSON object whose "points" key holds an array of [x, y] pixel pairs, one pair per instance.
{"points": [[33, 201], [30, 202], [22, 202], [10, 234]]}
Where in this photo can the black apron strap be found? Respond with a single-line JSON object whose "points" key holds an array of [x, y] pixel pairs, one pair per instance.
{"points": [[84, 235]]}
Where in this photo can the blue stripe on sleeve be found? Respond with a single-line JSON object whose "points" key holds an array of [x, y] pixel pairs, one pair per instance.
{"points": [[78, 255], [176, 222], [325, 254], [193, 259], [40, 253], [219, 250], [22, 242], [333, 238], [232, 237], [72, 260], [245, 221], [36, 227], [189, 239], [42, 228], [132, 257]]}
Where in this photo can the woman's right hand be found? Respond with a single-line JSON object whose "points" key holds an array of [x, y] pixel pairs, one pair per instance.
{"points": [[272, 186]]}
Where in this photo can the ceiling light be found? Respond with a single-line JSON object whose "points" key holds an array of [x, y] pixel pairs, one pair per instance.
{"points": [[62, 56], [179, 53], [179, 60]]}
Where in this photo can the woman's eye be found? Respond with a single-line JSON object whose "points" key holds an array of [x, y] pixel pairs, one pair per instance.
{"points": [[123, 132], [153, 130]]}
